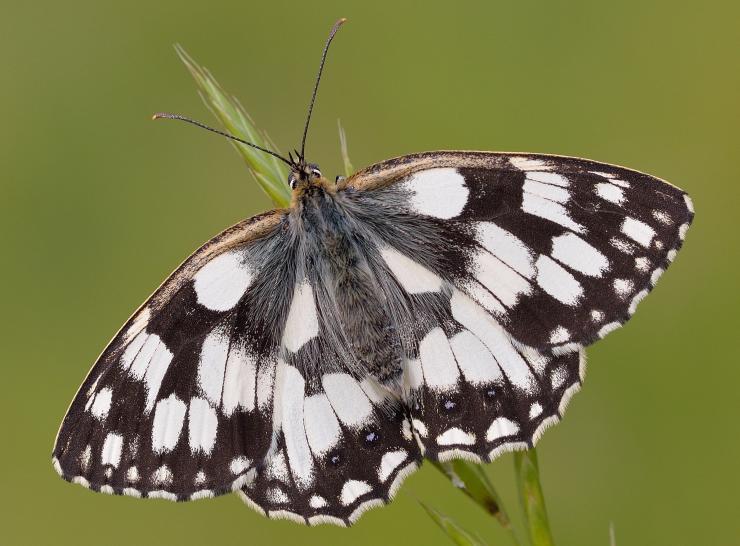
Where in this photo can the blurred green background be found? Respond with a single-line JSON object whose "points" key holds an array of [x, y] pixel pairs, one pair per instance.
{"points": [[99, 204]]}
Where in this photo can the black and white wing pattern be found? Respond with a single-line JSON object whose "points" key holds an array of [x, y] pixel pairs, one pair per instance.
{"points": [[511, 265], [235, 376], [434, 305], [179, 404], [343, 444], [559, 250], [474, 392]]}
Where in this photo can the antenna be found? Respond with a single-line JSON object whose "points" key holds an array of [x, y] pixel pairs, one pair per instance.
{"points": [[333, 31], [292, 163], [164, 115]]}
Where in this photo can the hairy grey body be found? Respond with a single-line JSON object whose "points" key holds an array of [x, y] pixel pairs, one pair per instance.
{"points": [[359, 314]]}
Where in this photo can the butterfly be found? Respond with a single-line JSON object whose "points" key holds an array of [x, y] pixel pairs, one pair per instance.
{"points": [[435, 305]]}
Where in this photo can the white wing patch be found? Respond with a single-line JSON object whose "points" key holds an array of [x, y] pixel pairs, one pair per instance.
{"points": [[546, 191], [506, 247], [610, 192], [414, 277], [302, 323], [349, 401], [169, 417], [390, 462], [266, 383], [454, 436], [212, 364], [437, 361], [239, 382], [550, 210], [500, 279], [638, 231], [558, 282], [527, 163], [112, 448], [500, 428], [221, 283], [322, 426], [440, 193], [544, 195], [482, 295], [494, 337], [569, 249], [202, 426], [101, 403], [289, 409], [474, 359], [147, 358], [548, 177], [353, 489]]}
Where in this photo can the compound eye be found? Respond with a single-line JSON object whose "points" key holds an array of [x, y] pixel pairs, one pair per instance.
{"points": [[292, 182], [315, 172]]}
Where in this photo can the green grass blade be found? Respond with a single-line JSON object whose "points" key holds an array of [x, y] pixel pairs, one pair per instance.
{"points": [[348, 169], [454, 532], [472, 480], [269, 172], [532, 498]]}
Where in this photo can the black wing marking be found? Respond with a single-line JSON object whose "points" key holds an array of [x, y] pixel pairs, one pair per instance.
{"points": [[473, 391], [560, 250], [342, 441], [341, 446], [178, 406]]}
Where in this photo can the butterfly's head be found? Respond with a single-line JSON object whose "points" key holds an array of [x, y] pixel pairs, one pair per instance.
{"points": [[304, 174], [305, 179]]}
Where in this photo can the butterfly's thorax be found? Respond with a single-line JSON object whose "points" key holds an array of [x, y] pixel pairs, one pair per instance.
{"points": [[337, 257]]}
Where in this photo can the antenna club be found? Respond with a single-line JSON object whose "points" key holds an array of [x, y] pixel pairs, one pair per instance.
{"points": [[167, 115]]}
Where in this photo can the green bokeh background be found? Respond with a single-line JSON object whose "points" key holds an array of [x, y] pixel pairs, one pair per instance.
{"points": [[98, 205]]}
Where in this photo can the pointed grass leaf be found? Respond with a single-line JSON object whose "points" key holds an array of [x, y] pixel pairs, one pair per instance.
{"points": [[454, 532], [472, 480], [532, 498], [348, 169], [271, 174]]}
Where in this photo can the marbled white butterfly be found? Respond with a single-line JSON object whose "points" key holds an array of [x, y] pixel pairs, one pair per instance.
{"points": [[434, 305]]}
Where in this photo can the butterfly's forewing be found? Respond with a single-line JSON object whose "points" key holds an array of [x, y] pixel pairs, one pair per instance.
{"points": [[513, 263], [560, 250], [179, 403]]}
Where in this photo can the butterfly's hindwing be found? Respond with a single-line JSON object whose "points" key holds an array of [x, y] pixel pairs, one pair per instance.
{"points": [[341, 446], [474, 392]]}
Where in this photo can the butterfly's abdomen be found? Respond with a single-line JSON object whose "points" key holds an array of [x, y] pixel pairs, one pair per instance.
{"points": [[360, 313]]}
